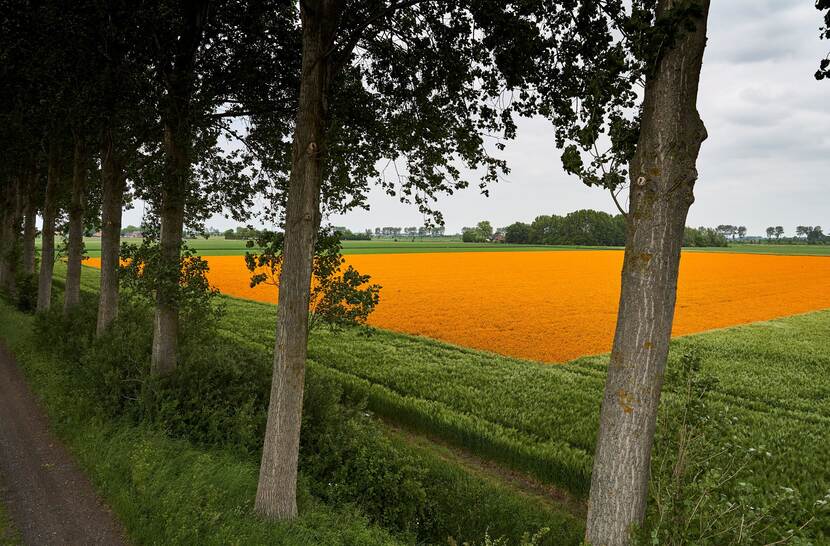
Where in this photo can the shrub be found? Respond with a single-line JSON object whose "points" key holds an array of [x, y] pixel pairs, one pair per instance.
{"points": [[69, 334], [217, 396], [26, 296], [353, 461]]}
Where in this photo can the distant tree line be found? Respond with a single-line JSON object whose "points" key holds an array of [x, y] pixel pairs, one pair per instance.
{"points": [[348, 235], [582, 227], [812, 235], [241, 233], [731, 232], [481, 233], [413, 231], [249, 233]]}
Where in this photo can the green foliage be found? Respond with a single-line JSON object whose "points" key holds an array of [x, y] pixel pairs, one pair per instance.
{"points": [[526, 540], [338, 297], [241, 233], [71, 334], [581, 227], [543, 419], [145, 276], [116, 366], [824, 65], [703, 237], [355, 462], [26, 296], [482, 233], [517, 233], [592, 98]]}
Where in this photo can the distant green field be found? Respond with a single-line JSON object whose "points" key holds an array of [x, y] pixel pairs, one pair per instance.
{"points": [[789, 250], [225, 247]]}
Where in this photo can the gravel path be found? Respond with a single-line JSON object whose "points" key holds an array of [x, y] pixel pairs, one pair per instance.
{"points": [[50, 501]]}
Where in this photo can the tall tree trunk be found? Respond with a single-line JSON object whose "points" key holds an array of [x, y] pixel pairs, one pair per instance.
{"points": [[72, 293], [30, 230], [178, 143], [166, 323], [112, 181], [10, 235], [47, 250], [277, 490], [663, 173]]}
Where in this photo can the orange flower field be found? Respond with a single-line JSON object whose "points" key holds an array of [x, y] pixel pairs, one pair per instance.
{"points": [[559, 305]]}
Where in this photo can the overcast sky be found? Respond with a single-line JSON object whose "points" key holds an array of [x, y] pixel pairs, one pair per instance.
{"points": [[766, 161]]}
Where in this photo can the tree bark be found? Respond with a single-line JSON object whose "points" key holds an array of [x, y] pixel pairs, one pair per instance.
{"points": [[663, 173], [30, 230], [72, 293], [47, 250], [178, 141], [10, 234], [166, 323], [112, 178], [276, 492]]}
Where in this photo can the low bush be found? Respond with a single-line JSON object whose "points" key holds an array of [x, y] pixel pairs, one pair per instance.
{"points": [[26, 296]]}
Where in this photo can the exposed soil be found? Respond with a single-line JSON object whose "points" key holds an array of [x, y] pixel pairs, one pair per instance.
{"points": [[50, 501]]}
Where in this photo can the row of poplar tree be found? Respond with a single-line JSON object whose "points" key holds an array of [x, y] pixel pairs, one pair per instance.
{"points": [[199, 107]]}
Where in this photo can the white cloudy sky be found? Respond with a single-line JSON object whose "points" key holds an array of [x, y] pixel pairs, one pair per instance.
{"points": [[766, 161]]}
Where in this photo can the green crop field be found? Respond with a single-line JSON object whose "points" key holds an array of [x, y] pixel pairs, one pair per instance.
{"points": [[228, 247], [774, 382], [783, 249]]}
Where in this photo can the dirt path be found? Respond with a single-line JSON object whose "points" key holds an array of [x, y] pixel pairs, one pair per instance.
{"points": [[50, 501]]}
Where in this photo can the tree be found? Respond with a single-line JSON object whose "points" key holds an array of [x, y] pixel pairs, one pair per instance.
{"points": [[340, 296], [815, 235], [659, 44], [802, 231], [211, 60], [124, 123], [400, 79], [779, 231], [485, 230], [770, 233], [741, 231], [661, 194], [517, 233]]}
